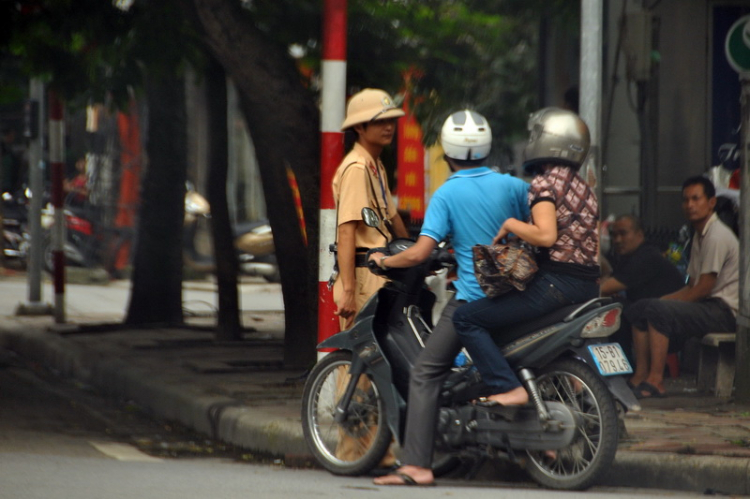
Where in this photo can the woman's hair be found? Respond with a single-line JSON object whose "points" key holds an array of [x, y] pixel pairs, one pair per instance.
{"points": [[539, 167], [350, 137]]}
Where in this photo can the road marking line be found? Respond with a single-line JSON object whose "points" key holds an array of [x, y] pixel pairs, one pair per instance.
{"points": [[123, 452]]}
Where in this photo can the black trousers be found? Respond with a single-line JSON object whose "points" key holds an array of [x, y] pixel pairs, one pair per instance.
{"points": [[432, 367]]}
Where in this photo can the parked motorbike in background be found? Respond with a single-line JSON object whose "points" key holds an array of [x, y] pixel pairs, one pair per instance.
{"points": [[253, 241], [16, 238], [566, 436], [83, 243]]}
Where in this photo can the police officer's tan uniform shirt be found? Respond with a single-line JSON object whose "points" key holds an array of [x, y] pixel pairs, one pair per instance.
{"points": [[357, 179]]}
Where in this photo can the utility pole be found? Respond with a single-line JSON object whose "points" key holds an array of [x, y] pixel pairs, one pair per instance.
{"points": [[33, 132], [590, 107], [737, 50], [742, 355], [333, 102], [56, 158]]}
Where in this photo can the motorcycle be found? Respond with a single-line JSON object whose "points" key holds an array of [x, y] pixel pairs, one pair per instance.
{"points": [[566, 437], [83, 243], [16, 238], [253, 241]]}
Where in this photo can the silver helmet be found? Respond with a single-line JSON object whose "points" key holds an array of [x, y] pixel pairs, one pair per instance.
{"points": [[555, 136]]}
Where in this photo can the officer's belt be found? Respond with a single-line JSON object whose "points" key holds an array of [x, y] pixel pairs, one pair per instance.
{"points": [[360, 257]]}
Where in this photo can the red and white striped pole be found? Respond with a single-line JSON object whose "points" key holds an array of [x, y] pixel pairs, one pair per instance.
{"points": [[57, 170], [333, 103]]}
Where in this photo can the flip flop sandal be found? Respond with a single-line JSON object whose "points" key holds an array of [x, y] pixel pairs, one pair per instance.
{"points": [[406, 480], [651, 390]]}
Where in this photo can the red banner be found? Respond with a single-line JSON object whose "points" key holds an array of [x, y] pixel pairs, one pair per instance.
{"points": [[410, 167]]}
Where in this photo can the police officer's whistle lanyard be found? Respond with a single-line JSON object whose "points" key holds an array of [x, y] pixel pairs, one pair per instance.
{"points": [[382, 188], [383, 215]]}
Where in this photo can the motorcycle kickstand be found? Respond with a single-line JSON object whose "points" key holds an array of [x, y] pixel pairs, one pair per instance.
{"points": [[474, 470], [509, 450], [529, 380]]}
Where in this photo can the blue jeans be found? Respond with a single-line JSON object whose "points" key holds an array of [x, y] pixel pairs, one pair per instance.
{"points": [[477, 322]]}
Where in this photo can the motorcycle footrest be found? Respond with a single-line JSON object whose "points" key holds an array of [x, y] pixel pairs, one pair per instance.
{"points": [[506, 412]]}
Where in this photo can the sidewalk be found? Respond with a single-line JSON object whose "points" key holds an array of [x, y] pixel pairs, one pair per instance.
{"points": [[240, 393]]}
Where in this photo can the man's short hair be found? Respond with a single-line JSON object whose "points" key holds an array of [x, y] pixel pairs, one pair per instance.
{"points": [[708, 187], [463, 163], [635, 222]]}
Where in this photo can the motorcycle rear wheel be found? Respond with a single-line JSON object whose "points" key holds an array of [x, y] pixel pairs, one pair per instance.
{"points": [[593, 449], [356, 445]]}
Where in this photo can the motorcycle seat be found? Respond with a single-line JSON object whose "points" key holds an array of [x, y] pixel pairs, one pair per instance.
{"points": [[521, 329]]}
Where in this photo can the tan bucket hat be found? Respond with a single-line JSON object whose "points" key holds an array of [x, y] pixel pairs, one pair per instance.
{"points": [[368, 105]]}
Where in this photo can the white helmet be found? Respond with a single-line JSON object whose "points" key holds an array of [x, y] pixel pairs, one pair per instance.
{"points": [[466, 135]]}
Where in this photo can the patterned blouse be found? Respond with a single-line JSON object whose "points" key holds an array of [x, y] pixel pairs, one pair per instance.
{"points": [[577, 211]]}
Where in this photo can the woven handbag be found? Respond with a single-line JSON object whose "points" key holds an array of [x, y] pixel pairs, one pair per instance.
{"points": [[502, 267]]}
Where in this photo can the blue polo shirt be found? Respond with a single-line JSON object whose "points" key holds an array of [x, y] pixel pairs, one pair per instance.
{"points": [[470, 208]]}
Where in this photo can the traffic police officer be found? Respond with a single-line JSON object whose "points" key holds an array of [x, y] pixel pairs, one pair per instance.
{"points": [[361, 181]]}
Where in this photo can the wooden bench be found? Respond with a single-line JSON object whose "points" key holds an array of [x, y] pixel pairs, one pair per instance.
{"points": [[716, 363]]}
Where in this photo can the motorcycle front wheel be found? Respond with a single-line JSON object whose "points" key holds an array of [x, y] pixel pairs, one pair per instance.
{"points": [[356, 443], [584, 461]]}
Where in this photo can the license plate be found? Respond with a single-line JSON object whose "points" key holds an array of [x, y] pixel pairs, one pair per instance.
{"points": [[610, 359]]}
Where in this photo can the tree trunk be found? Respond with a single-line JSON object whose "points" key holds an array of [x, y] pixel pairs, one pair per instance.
{"points": [[156, 295], [229, 326], [283, 122]]}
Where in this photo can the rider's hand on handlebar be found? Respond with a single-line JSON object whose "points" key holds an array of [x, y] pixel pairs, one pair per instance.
{"points": [[376, 257]]}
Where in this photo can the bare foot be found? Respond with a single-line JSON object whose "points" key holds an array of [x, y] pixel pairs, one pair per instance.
{"points": [[419, 476], [517, 396]]}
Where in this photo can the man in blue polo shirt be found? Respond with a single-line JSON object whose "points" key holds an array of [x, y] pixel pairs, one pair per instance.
{"points": [[470, 208]]}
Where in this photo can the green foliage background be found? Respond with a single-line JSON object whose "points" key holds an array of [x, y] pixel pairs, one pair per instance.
{"points": [[480, 54]]}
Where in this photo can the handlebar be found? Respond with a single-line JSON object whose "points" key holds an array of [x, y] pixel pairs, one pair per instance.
{"points": [[440, 257]]}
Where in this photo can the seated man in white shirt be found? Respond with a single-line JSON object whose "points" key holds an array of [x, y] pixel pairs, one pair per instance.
{"points": [[708, 303]]}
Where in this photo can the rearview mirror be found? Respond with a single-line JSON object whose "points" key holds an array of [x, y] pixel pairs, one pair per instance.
{"points": [[370, 218]]}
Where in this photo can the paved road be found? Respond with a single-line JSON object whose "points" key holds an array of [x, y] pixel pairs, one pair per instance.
{"points": [[58, 441]]}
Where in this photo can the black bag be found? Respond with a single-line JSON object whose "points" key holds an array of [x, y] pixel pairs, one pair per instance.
{"points": [[502, 267]]}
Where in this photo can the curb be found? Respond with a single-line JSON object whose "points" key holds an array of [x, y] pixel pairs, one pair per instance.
{"points": [[222, 418], [706, 474], [231, 421]]}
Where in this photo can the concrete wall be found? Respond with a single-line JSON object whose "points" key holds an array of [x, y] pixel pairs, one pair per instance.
{"points": [[676, 114], [683, 101]]}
